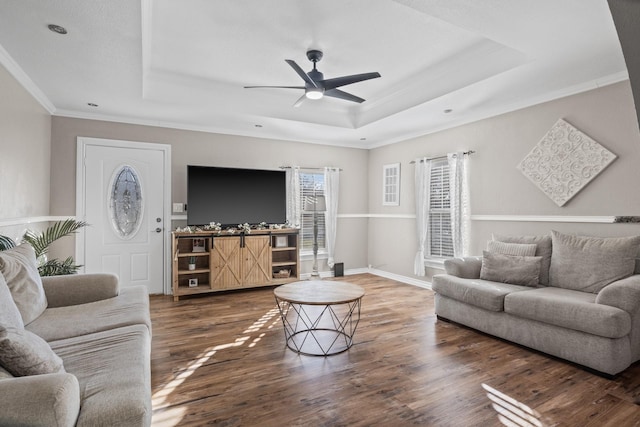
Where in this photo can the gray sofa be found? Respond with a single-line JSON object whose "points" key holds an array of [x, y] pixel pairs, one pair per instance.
{"points": [[582, 305], [74, 350]]}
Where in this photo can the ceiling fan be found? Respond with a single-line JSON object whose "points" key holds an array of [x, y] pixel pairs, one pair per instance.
{"points": [[315, 85]]}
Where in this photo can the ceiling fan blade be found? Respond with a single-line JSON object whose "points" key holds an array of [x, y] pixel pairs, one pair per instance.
{"points": [[347, 80], [301, 72], [300, 100], [337, 93], [277, 87]]}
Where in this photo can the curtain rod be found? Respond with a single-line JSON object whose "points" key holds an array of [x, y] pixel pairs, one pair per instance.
{"points": [[304, 167], [466, 153]]}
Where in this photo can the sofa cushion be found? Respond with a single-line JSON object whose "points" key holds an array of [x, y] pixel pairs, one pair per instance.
{"points": [[23, 353], [4, 374], [130, 307], [516, 249], [569, 309], [543, 249], [113, 370], [9, 315], [481, 293], [589, 264], [19, 268], [465, 267], [516, 270]]}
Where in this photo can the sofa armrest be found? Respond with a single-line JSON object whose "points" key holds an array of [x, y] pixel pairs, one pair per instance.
{"points": [[77, 289], [40, 400], [465, 268], [623, 294]]}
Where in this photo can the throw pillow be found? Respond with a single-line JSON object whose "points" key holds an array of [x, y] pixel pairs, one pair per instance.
{"points": [[589, 264], [517, 249], [19, 268], [24, 353], [515, 270], [9, 314], [543, 250]]}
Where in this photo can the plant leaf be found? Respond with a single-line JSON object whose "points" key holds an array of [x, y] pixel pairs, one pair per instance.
{"points": [[41, 241], [55, 267], [6, 243]]}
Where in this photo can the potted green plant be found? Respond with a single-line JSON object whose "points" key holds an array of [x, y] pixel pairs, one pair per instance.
{"points": [[41, 242], [192, 263]]}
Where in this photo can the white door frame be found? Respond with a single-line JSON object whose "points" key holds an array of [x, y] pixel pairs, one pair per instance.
{"points": [[82, 144]]}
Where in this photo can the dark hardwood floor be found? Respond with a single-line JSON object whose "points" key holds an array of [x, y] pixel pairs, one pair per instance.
{"points": [[221, 360]]}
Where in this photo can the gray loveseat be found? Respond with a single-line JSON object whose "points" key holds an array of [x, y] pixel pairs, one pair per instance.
{"points": [[576, 297], [74, 350]]}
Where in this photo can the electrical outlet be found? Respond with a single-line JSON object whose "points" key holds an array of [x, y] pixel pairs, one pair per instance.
{"points": [[178, 207]]}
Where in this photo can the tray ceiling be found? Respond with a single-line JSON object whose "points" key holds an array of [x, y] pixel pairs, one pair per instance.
{"points": [[183, 64]]}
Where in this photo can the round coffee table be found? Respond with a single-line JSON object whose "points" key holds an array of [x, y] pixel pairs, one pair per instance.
{"points": [[319, 317]]}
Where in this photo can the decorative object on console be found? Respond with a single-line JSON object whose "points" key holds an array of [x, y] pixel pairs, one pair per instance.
{"points": [[198, 246], [193, 283], [192, 263], [315, 204], [564, 162], [281, 241]]}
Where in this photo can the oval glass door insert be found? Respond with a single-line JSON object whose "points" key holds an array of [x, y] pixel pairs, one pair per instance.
{"points": [[125, 202]]}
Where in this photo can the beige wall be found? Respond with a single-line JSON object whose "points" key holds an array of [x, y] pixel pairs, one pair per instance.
{"points": [[498, 188], [386, 243], [25, 135], [200, 148]]}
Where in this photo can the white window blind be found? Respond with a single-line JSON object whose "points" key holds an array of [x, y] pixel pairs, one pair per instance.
{"points": [[311, 183], [441, 243]]}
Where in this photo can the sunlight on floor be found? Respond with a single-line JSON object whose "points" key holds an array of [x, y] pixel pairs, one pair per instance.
{"points": [[511, 412], [172, 416]]}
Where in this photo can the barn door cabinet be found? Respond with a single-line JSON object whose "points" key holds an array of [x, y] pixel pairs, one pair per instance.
{"points": [[225, 261]]}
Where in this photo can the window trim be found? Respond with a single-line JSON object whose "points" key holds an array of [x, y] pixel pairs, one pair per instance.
{"points": [[322, 250], [393, 190], [436, 261]]}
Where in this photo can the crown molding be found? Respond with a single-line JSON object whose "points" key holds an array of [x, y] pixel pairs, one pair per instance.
{"points": [[508, 108], [18, 73]]}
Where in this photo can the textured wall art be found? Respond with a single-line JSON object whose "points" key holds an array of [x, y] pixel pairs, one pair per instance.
{"points": [[564, 162]]}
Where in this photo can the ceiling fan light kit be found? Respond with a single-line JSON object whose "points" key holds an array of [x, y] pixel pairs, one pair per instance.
{"points": [[314, 93], [316, 86]]}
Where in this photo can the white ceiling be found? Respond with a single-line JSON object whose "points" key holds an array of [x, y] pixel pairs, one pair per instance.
{"points": [[184, 63]]}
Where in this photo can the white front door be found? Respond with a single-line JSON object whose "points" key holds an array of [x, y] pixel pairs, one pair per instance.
{"points": [[123, 201]]}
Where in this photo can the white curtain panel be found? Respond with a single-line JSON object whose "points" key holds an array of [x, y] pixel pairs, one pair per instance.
{"points": [[331, 191], [293, 196], [459, 199], [423, 194]]}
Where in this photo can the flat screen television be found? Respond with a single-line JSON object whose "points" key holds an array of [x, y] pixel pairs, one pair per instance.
{"points": [[233, 196]]}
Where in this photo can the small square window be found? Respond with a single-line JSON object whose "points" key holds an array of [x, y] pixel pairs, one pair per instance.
{"points": [[391, 185]]}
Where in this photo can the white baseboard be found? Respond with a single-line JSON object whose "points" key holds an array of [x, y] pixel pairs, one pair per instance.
{"points": [[399, 278], [385, 274]]}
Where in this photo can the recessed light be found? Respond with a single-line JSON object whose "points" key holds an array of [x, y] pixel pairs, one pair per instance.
{"points": [[448, 110], [57, 29], [91, 104]]}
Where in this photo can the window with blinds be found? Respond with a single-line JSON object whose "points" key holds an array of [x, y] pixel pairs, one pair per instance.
{"points": [[441, 243], [311, 183]]}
